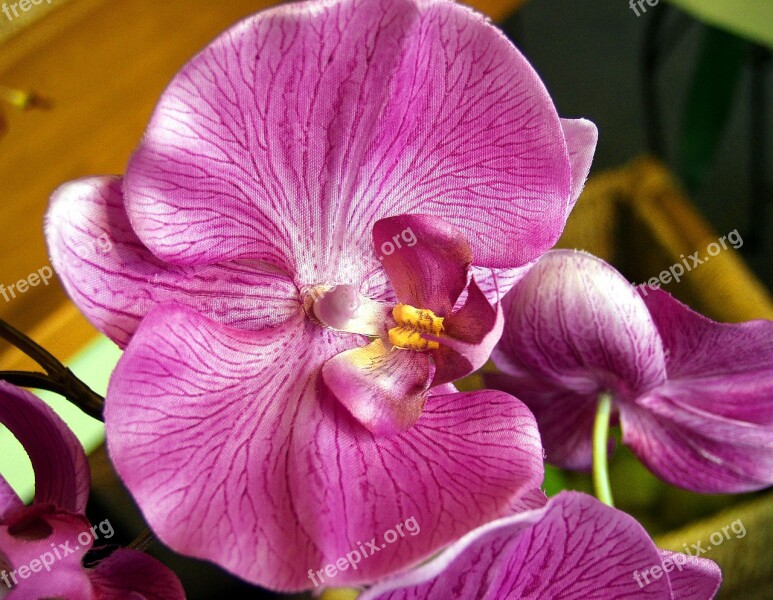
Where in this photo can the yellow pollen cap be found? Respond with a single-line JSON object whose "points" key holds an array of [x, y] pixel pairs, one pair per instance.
{"points": [[411, 323]]}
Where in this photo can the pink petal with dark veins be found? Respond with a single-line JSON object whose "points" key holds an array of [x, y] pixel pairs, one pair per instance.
{"points": [[581, 137], [115, 280], [130, 575], [710, 427], [574, 328], [574, 547], [289, 136], [236, 454]]}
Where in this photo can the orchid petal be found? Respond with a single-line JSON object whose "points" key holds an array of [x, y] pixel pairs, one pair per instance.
{"points": [[575, 328], [9, 499], [698, 451], [573, 319], [469, 336], [60, 465], [232, 447], [66, 577], [115, 280], [385, 390], [309, 122], [131, 574], [574, 547], [722, 368], [581, 138], [710, 427], [429, 269], [693, 579], [565, 418]]}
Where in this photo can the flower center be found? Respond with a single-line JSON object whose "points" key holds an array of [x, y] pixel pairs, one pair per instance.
{"points": [[411, 323]]}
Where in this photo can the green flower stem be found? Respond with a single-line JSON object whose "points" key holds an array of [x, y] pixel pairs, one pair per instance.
{"points": [[601, 485]]}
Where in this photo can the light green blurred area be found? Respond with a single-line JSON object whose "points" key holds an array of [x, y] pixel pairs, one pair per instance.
{"points": [[750, 19], [93, 365]]}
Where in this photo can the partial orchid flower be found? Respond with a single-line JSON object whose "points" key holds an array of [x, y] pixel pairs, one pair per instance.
{"points": [[694, 398], [573, 547], [42, 546], [241, 248]]}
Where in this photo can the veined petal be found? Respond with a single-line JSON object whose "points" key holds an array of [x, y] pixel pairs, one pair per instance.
{"points": [[565, 417], [55, 540], [233, 448], [575, 321], [308, 122], [469, 336], [115, 280], [693, 579], [60, 465], [721, 368], [574, 547], [581, 138], [131, 574], [427, 260], [710, 427], [384, 389], [574, 328], [698, 451]]}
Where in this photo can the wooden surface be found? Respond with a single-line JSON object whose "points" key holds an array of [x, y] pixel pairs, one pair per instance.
{"points": [[103, 65]]}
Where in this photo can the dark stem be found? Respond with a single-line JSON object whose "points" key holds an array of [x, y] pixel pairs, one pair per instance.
{"points": [[57, 378]]}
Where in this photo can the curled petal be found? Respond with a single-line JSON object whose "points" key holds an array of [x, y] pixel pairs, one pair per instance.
{"points": [[131, 574], [60, 465], [46, 536], [426, 259], [385, 390], [115, 280], [232, 447], [574, 547], [574, 320], [310, 122], [469, 336], [581, 137]]}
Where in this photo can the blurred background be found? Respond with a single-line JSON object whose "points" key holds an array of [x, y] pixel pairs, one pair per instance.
{"points": [[681, 93]]}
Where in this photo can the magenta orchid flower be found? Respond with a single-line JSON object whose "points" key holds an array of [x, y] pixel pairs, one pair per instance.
{"points": [[42, 546], [694, 397], [260, 415], [573, 547]]}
